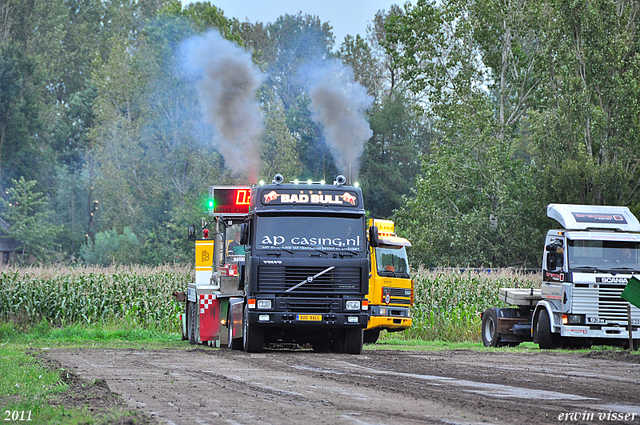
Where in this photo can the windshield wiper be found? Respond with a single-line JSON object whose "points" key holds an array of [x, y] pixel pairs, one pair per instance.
{"points": [[624, 268], [279, 247], [588, 269], [310, 278]]}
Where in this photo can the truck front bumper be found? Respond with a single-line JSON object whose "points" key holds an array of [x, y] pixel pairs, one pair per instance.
{"points": [[389, 323], [605, 332], [356, 319]]}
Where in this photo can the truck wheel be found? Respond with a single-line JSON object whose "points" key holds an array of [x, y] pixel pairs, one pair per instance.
{"points": [[353, 339], [184, 322], [321, 345], [252, 336], [336, 344], [192, 323], [234, 344], [490, 335], [371, 336], [546, 339]]}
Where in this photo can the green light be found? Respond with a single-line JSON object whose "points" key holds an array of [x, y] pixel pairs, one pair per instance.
{"points": [[211, 203], [356, 184]]}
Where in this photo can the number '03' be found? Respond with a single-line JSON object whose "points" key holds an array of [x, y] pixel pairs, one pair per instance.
{"points": [[17, 415]]}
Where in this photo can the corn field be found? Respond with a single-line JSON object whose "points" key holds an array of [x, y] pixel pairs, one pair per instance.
{"points": [[62, 296], [448, 304]]}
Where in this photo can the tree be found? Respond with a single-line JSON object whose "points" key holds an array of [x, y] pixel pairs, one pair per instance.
{"points": [[28, 217], [587, 133], [474, 195], [392, 157], [279, 154], [355, 52]]}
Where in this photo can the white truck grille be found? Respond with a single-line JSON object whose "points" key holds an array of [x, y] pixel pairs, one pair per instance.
{"points": [[603, 302]]}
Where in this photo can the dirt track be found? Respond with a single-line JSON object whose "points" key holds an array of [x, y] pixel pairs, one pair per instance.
{"points": [[207, 386]]}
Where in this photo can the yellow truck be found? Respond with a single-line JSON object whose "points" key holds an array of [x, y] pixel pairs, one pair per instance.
{"points": [[390, 286]]}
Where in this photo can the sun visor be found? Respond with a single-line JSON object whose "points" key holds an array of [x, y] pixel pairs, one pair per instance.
{"points": [[582, 217], [393, 240]]}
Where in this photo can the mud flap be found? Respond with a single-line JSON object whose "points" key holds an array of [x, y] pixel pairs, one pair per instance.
{"points": [[209, 317]]}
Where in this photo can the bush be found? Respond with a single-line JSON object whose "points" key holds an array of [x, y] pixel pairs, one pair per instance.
{"points": [[112, 248]]}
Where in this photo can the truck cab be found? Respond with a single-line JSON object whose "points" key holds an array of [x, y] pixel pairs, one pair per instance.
{"points": [[390, 286], [307, 266], [287, 266], [585, 267]]}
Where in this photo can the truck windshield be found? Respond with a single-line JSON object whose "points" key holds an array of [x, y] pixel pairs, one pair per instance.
{"points": [[391, 260], [593, 255], [310, 233]]}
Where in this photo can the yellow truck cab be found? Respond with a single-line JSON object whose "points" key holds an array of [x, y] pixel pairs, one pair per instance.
{"points": [[390, 286]]}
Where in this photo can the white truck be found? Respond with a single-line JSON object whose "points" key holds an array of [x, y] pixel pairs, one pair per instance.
{"points": [[585, 267]]}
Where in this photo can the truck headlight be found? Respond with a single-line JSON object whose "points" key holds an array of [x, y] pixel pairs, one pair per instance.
{"points": [[572, 319], [353, 305], [264, 304], [352, 319]]}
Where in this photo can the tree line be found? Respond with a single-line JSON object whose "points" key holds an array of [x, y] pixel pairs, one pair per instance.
{"points": [[483, 113]]}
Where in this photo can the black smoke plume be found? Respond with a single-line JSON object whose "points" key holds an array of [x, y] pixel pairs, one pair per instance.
{"points": [[338, 104], [227, 81]]}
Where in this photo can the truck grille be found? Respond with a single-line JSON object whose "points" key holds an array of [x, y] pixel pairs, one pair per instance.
{"points": [[308, 305], [394, 293], [603, 302], [340, 280]]}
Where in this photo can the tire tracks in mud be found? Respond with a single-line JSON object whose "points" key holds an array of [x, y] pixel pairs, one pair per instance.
{"points": [[209, 386]]}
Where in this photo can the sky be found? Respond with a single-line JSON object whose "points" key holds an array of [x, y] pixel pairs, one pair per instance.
{"points": [[345, 16]]}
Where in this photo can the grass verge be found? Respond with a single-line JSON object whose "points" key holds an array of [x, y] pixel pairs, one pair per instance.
{"points": [[36, 390]]}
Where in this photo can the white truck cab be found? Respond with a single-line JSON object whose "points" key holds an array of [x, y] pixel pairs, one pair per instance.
{"points": [[585, 267]]}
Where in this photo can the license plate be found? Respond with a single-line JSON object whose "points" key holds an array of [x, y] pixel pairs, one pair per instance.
{"points": [[309, 317]]}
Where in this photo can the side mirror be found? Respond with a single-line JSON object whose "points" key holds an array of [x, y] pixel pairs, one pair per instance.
{"points": [[373, 236], [191, 235], [244, 233], [551, 261]]}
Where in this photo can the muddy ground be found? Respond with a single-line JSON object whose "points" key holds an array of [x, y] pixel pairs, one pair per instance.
{"points": [[209, 386]]}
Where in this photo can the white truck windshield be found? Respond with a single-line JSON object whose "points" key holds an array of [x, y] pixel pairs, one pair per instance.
{"points": [[300, 233], [603, 255]]}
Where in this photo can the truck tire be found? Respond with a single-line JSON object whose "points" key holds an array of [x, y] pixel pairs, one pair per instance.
{"points": [[192, 323], [252, 336], [234, 344], [321, 345], [353, 339], [371, 336], [184, 322], [490, 335], [546, 339], [336, 344]]}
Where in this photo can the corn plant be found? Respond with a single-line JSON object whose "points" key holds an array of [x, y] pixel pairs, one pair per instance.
{"points": [[448, 304], [63, 296]]}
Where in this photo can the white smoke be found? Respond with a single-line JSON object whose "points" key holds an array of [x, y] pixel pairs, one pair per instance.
{"points": [[227, 81], [338, 104]]}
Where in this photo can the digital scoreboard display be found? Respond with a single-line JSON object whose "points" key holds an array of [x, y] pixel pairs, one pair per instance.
{"points": [[229, 200]]}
